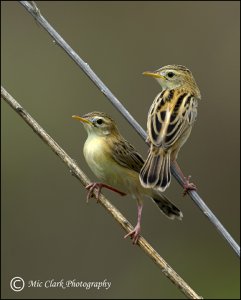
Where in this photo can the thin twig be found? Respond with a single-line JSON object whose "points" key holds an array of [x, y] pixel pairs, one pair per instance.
{"points": [[35, 12], [79, 174]]}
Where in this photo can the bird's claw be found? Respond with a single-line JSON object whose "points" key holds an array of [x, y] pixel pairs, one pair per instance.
{"points": [[35, 9], [98, 186], [134, 234], [188, 186], [91, 188], [148, 141]]}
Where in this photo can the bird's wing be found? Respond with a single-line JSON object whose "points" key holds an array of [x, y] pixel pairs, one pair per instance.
{"points": [[170, 116], [126, 155]]}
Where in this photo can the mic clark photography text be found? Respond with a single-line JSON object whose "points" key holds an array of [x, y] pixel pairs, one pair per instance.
{"points": [[52, 283]]}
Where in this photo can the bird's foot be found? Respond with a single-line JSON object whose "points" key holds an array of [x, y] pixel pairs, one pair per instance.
{"points": [[98, 186], [148, 141], [188, 186], [35, 8], [134, 234]]}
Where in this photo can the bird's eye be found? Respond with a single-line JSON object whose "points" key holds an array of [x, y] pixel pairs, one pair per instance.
{"points": [[99, 121], [170, 74]]}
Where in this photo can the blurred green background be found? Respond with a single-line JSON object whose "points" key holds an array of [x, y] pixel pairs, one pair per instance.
{"points": [[48, 230]]}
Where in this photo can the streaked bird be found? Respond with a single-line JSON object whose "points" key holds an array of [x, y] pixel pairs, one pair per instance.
{"points": [[169, 124], [116, 163]]}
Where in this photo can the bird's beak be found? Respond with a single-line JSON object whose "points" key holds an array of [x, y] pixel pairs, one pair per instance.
{"points": [[83, 120], [153, 74]]}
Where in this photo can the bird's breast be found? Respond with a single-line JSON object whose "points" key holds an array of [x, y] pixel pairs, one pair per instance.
{"points": [[96, 155], [97, 152]]}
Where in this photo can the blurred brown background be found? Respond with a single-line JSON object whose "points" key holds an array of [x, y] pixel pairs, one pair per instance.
{"points": [[48, 229]]}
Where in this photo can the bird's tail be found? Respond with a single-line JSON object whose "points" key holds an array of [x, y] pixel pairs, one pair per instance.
{"points": [[155, 172], [167, 207]]}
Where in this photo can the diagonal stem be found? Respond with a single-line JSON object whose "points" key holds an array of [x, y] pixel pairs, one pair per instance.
{"points": [[79, 174]]}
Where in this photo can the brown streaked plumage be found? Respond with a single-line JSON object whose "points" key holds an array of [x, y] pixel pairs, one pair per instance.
{"points": [[117, 164], [169, 123]]}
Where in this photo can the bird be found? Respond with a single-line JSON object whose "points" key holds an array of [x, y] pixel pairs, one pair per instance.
{"points": [[117, 164], [169, 123]]}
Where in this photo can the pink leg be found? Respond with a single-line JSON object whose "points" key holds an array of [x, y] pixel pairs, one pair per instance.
{"points": [[99, 186], [188, 186], [135, 233]]}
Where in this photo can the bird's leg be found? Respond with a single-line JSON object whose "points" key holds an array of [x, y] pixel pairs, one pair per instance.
{"points": [[188, 186], [135, 233], [98, 186]]}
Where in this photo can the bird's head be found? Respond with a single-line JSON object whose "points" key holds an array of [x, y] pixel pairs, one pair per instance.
{"points": [[97, 123], [175, 76]]}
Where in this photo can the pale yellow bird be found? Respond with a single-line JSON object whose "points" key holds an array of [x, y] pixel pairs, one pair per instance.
{"points": [[117, 164], [169, 123]]}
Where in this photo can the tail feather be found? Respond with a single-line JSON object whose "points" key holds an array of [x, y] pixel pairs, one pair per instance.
{"points": [[155, 172], [167, 207]]}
